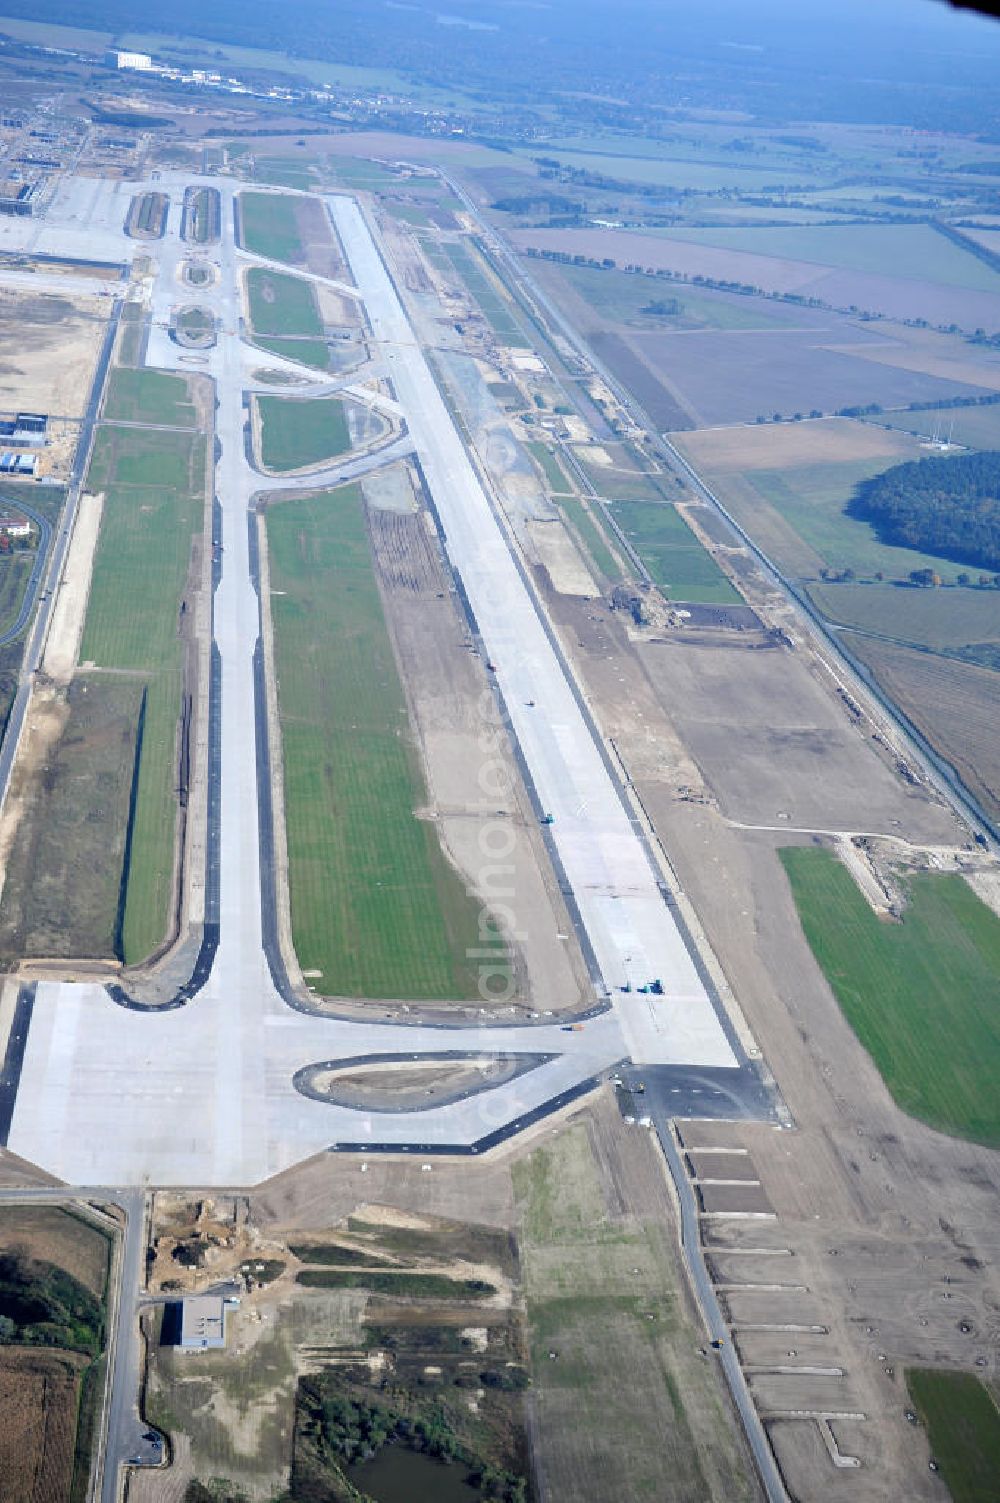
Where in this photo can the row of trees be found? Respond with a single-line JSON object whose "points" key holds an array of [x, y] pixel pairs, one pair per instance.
{"points": [[944, 505]]}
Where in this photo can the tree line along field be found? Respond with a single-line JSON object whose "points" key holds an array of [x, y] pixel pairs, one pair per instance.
{"points": [[679, 565], [154, 485], [921, 994], [269, 226], [296, 432], [376, 908]]}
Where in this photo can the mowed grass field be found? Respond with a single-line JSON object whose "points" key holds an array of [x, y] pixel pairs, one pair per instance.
{"points": [[285, 318], [923, 995], [282, 304], [153, 397], [154, 485], [626, 1409], [270, 226], [963, 1428], [678, 563], [894, 250], [975, 427], [377, 911], [295, 433]]}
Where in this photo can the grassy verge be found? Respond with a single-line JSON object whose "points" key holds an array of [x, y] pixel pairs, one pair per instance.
{"points": [[592, 535], [296, 433], [15, 571], [921, 995], [678, 563], [963, 1427], [550, 467], [376, 908], [151, 397], [270, 226], [154, 505]]}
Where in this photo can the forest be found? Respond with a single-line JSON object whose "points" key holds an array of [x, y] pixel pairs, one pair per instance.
{"points": [[947, 505]]}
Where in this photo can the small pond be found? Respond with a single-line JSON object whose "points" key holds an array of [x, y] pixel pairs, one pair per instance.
{"points": [[399, 1475]]}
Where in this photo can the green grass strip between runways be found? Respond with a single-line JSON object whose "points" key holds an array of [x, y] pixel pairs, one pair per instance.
{"points": [[142, 562], [377, 911]]}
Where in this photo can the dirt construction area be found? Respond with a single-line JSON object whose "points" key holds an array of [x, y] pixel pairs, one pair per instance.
{"points": [[858, 1242], [561, 1252], [50, 346]]}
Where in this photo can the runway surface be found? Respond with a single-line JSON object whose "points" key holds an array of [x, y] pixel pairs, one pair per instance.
{"points": [[203, 1094]]}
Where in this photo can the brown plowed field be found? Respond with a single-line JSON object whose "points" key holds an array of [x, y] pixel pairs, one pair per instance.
{"points": [[38, 1405]]}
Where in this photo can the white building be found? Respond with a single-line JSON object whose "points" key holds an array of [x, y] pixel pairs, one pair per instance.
{"points": [[140, 62]]}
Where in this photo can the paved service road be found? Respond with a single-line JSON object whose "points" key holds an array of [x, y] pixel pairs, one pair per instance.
{"points": [[726, 1354]]}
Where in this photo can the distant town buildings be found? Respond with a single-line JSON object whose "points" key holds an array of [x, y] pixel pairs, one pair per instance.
{"points": [[138, 62]]}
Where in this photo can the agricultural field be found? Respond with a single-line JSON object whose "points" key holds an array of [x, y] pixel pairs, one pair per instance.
{"points": [[738, 376], [298, 433], [680, 566], [606, 1297], [892, 250], [974, 427], [154, 484], [955, 704], [269, 226], [479, 280], [788, 484], [896, 297], [62, 894], [53, 1284], [920, 994], [948, 621], [963, 1427], [679, 173], [376, 908], [623, 298], [154, 398]]}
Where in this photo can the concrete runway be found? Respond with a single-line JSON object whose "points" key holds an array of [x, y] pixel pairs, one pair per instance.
{"points": [[203, 1094]]}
